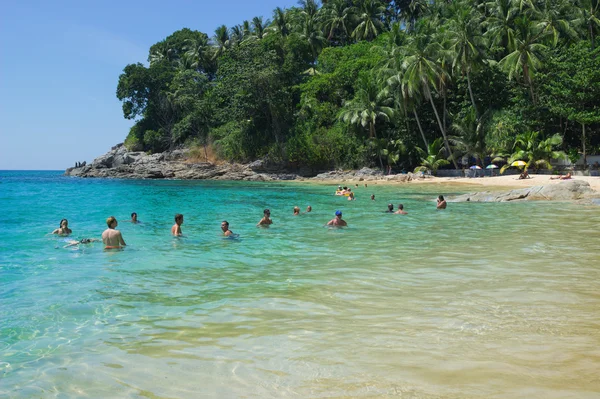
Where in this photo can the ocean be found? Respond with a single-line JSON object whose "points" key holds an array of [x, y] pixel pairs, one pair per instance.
{"points": [[497, 300]]}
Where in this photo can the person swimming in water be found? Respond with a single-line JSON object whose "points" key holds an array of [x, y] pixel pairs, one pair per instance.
{"points": [[225, 228], [266, 220], [176, 228], [337, 221], [441, 202], [112, 238], [308, 209], [390, 208], [134, 218], [401, 210], [296, 210], [64, 229], [82, 241]]}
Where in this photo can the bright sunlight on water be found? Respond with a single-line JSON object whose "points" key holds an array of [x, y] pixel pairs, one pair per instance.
{"points": [[480, 300]]}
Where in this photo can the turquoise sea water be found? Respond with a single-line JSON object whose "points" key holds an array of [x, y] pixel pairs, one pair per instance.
{"points": [[479, 300]]}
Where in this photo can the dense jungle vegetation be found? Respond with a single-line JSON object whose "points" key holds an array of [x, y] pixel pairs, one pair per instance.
{"points": [[353, 83]]}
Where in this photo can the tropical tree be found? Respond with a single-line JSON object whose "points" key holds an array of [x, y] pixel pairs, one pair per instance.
{"points": [[259, 27], [367, 108], [590, 16], [199, 51], [469, 140], [335, 18], [368, 14], [535, 152], [222, 40], [433, 158], [281, 22]]}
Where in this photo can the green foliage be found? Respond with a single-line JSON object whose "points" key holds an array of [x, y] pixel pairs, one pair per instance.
{"points": [[433, 159]]}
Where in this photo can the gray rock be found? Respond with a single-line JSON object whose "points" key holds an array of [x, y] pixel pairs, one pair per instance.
{"points": [[564, 190]]}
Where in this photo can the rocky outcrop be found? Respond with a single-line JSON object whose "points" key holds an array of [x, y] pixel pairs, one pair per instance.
{"points": [[367, 174], [561, 191]]}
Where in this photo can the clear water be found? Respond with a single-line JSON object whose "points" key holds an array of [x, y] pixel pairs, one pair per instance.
{"points": [[479, 300]]}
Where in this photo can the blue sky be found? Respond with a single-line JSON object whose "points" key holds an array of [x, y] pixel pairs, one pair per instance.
{"points": [[60, 62]]}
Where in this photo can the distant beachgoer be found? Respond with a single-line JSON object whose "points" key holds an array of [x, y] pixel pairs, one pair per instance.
{"points": [[266, 220], [401, 210], [112, 238], [82, 241], [176, 228], [441, 202], [372, 197], [350, 195], [134, 218], [337, 221], [64, 229], [561, 177], [524, 175], [308, 209], [390, 208], [225, 228], [296, 210]]}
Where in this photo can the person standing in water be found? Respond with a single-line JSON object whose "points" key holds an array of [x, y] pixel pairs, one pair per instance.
{"points": [[337, 221], [112, 238], [64, 229], [308, 209], [401, 210], [266, 220], [176, 229], [225, 228], [390, 208], [441, 202], [134, 218], [296, 210]]}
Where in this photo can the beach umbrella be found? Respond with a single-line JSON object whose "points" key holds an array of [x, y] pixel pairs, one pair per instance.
{"points": [[475, 167], [518, 163], [491, 166]]}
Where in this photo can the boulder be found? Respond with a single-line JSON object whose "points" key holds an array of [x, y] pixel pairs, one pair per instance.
{"points": [[564, 190]]}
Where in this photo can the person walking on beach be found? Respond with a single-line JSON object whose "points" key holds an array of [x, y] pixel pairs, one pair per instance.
{"points": [[176, 229], [225, 228], [441, 202], [112, 238], [64, 229], [337, 220], [266, 220], [401, 210]]}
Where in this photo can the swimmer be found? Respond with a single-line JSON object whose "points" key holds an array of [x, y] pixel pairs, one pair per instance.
{"points": [[401, 210], [441, 202], [134, 218], [82, 241], [337, 221], [176, 229], [64, 229], [372, 197], [112, 238], [266, 220], [308, 209], [350, 195], [225, 228], [296, 210], [390, 208]]}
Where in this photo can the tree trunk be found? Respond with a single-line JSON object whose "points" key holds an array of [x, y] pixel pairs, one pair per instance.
{"points": [[437, 116], [377, 148], [591, 35], [471, 94], [420, 128], [583, 145], [527, 77]]}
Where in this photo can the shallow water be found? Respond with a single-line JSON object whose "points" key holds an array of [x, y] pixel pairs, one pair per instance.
{"points": [[480, 300]]}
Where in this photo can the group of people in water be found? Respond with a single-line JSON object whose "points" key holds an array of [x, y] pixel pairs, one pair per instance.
{"points": [[113, 239]]}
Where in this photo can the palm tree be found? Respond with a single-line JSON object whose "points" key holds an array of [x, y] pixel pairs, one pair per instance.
{"points": [[411, 13], [311, 33], [529, 148], [369, 15], [281, 23], [237, 34], [433, 158], [162, 53], [198, 51], [470, 139], [422, 72], [499, 24], [335, 18], [368, 106], [553, 20], [526, 48], [259, 26], [467, 45], [590, 15], [222, 40]]}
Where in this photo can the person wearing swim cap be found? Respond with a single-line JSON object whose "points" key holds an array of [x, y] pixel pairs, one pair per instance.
{"points": [[112, 238], [337, 221]]}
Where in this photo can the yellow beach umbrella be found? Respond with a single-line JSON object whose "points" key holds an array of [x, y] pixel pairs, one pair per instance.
{"points": [[518, 163]]}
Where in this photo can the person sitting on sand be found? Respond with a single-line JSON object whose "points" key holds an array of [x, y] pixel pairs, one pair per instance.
{"points": [[82, 241], [561, 177], [441, 202], [390, 208], [112, 238], [225, 228], [337, 220], [266, 220], [64, 229], [176, 228], [296, 210], [401, 210], [524, 175]]}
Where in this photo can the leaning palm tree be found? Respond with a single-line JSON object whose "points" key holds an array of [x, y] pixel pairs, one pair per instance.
{"points": [[367, 108], [369, 15]]}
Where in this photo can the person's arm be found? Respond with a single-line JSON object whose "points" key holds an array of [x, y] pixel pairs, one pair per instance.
{"points": [[121, 239], [55, 231]]}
